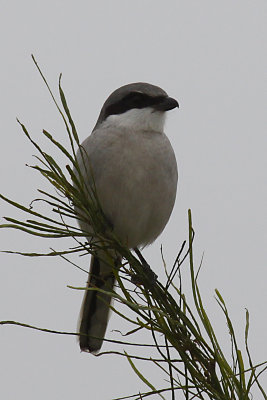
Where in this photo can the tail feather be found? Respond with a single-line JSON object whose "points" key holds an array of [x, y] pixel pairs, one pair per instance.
{"points": [[95, 307]]}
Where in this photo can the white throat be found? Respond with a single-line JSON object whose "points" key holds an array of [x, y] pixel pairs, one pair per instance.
{"points": [[145, 119]]}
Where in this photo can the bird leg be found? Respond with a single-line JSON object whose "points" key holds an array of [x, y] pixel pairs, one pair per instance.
{"points": [[148, 271]]}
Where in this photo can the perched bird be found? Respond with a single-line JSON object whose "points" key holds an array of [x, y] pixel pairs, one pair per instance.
{"points": [[133, 168]]}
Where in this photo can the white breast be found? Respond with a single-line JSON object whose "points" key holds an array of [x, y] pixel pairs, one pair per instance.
{"points": [[135, 174]]}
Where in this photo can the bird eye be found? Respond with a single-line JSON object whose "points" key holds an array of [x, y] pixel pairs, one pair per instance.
{"points": [[135, 100]]}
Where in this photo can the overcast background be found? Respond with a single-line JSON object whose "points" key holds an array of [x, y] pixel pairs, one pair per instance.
{"points": [[211, 56]]}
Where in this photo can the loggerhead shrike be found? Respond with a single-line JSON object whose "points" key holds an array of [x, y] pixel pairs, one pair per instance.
{"points": [[134, 171]]}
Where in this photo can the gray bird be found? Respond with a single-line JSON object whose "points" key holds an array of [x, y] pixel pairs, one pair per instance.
{"points": [[133, 167]]}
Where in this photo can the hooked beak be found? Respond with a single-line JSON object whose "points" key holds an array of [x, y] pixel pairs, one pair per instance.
{"points": [[168, 103]]}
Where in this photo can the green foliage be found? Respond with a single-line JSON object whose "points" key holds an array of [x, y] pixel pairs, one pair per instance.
{"points": [[190, 356]]}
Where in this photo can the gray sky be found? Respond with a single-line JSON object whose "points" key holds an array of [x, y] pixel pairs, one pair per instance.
{"points": [[211, 56]]}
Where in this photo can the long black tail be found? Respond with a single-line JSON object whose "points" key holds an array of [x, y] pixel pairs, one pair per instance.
{"points": [[95, 307]]}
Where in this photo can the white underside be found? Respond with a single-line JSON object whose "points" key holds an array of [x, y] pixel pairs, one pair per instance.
{"points": [[135, 174]]}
